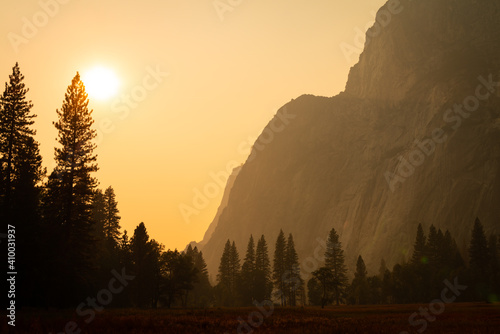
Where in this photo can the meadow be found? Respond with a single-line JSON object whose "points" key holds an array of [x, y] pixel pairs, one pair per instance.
{"points": [[456, 318]]}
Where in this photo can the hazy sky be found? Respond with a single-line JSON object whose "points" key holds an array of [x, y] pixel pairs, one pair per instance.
{"points": [[229, 69]]}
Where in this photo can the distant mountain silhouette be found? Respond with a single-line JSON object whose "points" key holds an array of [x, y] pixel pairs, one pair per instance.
{"points": [[398, 147]]}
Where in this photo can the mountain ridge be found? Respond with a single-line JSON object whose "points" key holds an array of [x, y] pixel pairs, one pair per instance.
{"points": [[329, 167]]}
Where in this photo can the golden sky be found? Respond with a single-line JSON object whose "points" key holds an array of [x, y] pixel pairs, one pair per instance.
{"points": [[199, 80]]}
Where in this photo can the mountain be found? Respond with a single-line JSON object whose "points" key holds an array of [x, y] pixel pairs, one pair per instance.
{"points": [[222, 206], [414, 138]]}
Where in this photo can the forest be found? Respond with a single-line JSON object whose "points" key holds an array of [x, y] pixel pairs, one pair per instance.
{"points": [[69, 244]]}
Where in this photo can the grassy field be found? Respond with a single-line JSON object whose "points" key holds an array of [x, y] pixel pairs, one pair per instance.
{"points": [[456, 318]]}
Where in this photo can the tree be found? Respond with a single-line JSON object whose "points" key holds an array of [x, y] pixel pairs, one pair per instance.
{"points": [[201, 295], [124, 261], [68, 200], [494, 265], [478, 250], [98, 215], [334, 261], [153, 268], [314, 292], [419, 247], [234, 260], [263, 282], [387, 287], [178, 276], [125, 252], [279, 267], [433, 247], [224, 274], [142, 267], [359, 286], [16, 120], [20, 175], [325, 277], [420, 264], [106, 253], [479, 264], [229, 272], [111, 225], [247, 282], [293, 282]]}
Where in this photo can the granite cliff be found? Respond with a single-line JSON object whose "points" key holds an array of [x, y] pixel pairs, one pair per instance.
{"points": [[414, 138]]}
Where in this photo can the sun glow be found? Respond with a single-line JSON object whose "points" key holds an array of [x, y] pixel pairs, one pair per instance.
{"points": [[100, 83]]}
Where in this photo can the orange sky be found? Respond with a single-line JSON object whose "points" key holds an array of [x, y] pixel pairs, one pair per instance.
{"points": [[229, 70]]}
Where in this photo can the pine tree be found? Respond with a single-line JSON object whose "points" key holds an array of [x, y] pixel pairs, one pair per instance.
{"points": [[20, 175], [359, 286], [420, 265], [433, 247], [224, 275], [111, 225], [141, 248], [16, 120], [124, 299], [228, 275], [98, 214], [247, 282], [382, 269], [419, 248], [294, 283], [479, 264], [68, 200], [478, 250], [494, 266], [125, 251], [279, 267], [202, 290], [263, 282], [334, 261], [105, 258], [235, 268]]}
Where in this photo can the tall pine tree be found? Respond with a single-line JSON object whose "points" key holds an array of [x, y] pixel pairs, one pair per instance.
{"points": [[111, 226], [419, 248], [20, 176], [143, 253], [279, 267], [335, 261], [229, 273], [293, 282], [359, 286], [479, 264], [68, 202], [247, 284], [263, 282]]}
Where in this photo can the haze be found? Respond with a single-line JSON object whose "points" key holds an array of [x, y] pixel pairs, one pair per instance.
{"points": [[228, 73]]}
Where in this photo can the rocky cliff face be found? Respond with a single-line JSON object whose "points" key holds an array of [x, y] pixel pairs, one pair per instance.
{"points": [[413, 139]]}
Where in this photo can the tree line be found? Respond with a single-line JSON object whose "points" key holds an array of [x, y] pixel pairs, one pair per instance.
{"points": [[69, 240], [435, 258]]}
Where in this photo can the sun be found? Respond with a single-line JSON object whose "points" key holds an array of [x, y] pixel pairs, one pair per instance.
{"points": [[100, 83]]}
